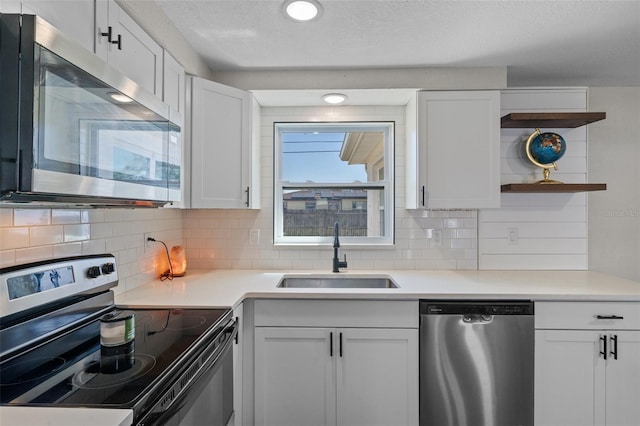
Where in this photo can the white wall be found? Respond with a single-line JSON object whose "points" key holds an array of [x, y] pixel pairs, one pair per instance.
{"points": [[219, 239], [614, 158], [551, 228]]}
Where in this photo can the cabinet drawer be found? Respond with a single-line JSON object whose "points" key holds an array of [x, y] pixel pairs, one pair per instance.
{"points": [[336, 313], [588, 315]]}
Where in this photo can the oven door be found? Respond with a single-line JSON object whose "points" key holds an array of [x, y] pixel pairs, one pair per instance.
{"points": [[203, 394]]}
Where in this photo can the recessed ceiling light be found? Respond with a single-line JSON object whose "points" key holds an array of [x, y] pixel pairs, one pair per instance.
{"points": [[334, 98], [119, 97], [302, 10]]}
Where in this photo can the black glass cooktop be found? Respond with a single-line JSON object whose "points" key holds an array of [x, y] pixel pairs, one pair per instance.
{"points": [[75, 369]]}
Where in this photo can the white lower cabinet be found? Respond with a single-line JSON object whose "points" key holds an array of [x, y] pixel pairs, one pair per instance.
{"points": [[587, 369], [306, 375], [335, 376]]}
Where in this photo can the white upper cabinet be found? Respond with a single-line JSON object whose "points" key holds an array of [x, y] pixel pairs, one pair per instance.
{"points": [[224, 147], [122, 43], [453, 150], [75, 18], [173, 86]]}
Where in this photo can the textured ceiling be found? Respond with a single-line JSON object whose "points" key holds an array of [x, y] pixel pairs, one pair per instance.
{"points": [[564, 42]]}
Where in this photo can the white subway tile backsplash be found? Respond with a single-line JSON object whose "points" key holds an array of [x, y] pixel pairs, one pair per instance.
{"points": [[67, 249], [13, 238], [102, 230], [6, 217], [78, 232], [7, 258], [46, 235], [29, 217], [65, 216], [33, 254]]}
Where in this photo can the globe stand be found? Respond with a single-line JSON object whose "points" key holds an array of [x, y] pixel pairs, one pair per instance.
{"points": [[546, 173], [545, 167]]}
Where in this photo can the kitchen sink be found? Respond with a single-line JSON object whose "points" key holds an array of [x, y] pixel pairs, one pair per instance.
{"points": [[337, 282]]}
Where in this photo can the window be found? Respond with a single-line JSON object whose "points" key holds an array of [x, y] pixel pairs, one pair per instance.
{"points": [[333, 172]]}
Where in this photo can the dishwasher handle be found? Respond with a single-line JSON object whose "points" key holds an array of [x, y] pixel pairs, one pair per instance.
{"points": [[477, 319]]}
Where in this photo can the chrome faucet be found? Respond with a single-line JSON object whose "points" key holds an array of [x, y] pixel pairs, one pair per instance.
{"points": [[337, 263]]}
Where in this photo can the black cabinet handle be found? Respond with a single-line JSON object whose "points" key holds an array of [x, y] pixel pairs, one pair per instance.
{"points": [[247, 202], [238, 333], [108, 34], [614, 346], [423, 191], [340, 344], [331, 343], [609, 317], [118, 41], [603, 346]]}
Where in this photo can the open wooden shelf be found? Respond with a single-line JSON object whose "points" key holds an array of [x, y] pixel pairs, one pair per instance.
{"points": [[552, 187], [550, 119]]}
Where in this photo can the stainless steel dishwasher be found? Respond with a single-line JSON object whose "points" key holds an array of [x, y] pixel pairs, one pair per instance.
{"points": [[476, 363]]}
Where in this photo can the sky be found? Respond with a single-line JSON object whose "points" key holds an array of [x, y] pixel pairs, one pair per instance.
{"points": [[316, 157]]}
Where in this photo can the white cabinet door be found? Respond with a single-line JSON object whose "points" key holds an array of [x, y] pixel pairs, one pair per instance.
{"points": [[136, 55], [294, 377], [575, 385], [173, 83], [623, 379], [75, 18], [453, 150], [222, 153], [377, 377], [569, 378]]}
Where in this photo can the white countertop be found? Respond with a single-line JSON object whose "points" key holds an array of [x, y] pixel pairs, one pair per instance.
{"points": [[228, 288], [29, 416]]}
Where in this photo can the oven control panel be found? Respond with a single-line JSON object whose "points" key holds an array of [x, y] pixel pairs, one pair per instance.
{"points": [[29, 285]]}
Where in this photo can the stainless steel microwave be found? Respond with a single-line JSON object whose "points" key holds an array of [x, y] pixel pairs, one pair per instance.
{"points": [[74, 130]]}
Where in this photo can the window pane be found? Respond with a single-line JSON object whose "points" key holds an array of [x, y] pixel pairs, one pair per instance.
{"points": [[314, 211], [330, 157]]}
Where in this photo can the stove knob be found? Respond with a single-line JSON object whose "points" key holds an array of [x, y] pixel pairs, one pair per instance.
{"points": [[108, 268], [93, 272]]}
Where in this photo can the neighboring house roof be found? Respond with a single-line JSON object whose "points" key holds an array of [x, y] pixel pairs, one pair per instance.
{"points": [[313, 194]]}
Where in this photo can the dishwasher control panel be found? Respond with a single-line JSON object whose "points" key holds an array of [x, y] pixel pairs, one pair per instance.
{"points": [[488, 307]]}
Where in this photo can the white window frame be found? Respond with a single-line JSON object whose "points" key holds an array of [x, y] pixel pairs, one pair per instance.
{"points": [[387, 185]]}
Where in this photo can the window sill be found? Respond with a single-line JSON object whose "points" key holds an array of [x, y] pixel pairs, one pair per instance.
{"points": [[343, 246]]}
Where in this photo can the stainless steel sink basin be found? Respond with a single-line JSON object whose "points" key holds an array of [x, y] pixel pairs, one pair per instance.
{"points": [[337, 282]]}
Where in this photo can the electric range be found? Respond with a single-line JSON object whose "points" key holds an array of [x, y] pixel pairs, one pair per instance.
{"points": [[63, 342]]}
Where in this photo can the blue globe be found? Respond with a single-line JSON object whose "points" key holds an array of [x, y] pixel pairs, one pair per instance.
{"points": [[547, 148]]}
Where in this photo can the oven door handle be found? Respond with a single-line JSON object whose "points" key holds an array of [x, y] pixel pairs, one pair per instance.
{"points": [[172, 400]]}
